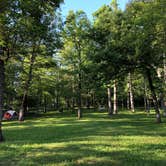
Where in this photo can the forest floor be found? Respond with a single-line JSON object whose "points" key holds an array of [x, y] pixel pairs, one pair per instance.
{"points": [[59, 139]]}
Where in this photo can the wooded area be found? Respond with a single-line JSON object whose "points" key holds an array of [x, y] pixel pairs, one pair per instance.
{"points": [[115, 62], [82, 92]]}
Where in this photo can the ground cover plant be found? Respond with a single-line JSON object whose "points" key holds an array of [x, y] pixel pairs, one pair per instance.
{"points": [[60, 139]]}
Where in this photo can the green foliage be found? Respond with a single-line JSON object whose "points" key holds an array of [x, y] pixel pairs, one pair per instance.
{"points": [[29, 32], [78, 51]]}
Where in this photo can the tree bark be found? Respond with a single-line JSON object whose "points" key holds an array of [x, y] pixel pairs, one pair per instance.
{"points": [[2, 87], [122, 104], [164, 82], [164, 62], [68, 106], [128, 99], [57, 100], [24, 104], [87, 101], [146, 101], [45, 104], [93, 99], [79, 97], [78, 46], [109, 101], [131, 93], [155, 101], [115, 98]]}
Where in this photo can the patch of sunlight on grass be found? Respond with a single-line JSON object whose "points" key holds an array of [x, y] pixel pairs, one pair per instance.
{"points": [[95, 161], [56, 139]]}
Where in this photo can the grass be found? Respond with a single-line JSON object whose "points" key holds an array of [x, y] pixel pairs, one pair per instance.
{"points": [[59, 139]]}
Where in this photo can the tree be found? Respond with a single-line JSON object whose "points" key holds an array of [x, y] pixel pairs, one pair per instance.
{"points": [[34, 24], [147, 48], [75, 48], [130, 41], [4, 54], [106, 34], [19, 21]]}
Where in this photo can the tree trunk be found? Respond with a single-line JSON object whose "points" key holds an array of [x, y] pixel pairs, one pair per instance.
{"points": [[79, 97], [128, 99], [131, 93], [164, 108], [164, 82], [128, 95], [45, 104], [73, 97], [57, 100], [78, 46], [164, 62], [73, 104], [122, 104], [146, 101], [155, 101], [87, 101], [93, 100], [2, 87], [115, 98], [109, 101], [68, 103], [24, 105]]}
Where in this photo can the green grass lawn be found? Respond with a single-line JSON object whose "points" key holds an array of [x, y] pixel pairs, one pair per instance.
{"points": [[59, 139]]}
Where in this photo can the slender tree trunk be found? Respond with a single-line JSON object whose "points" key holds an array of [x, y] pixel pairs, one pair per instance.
{"points": [[57, 100], [87, 101], [146, 101], [57, 90], [164, 62], [115, 98], [109, 101], [79, 97], [128, 99], [164, 107], [164, 82], [128, 95], [24, 105], [39, 97], [68, 103], [155, 101], [78, 46], [93, 101], [45, 104], [122, 104], [131, 93], [148, 105], [2, 87], [73, 104], [73, 96]]}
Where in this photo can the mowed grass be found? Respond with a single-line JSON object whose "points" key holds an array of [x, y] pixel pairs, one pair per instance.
{"points": [[59, 139]]}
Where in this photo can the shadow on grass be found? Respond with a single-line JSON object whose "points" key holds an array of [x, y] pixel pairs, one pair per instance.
{"points": [[86, 154], [54, 129], [95, 140]]}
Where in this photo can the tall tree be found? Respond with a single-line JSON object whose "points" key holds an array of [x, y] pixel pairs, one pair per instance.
{"points": [[35, 27], [4, 53], [115, 98], [131, 40], [147, 48], [130, 87], [75, 48], [19, 20]]}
